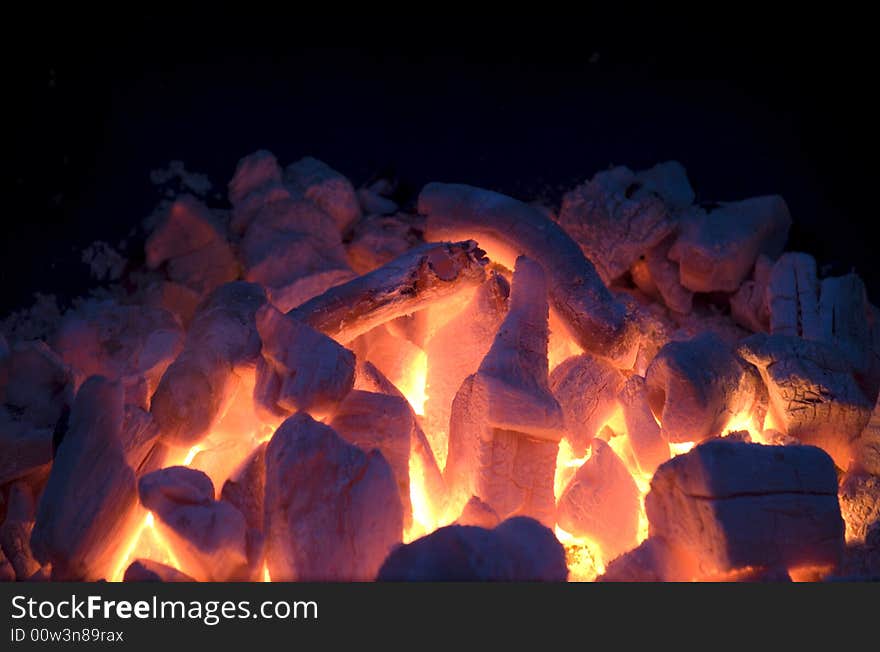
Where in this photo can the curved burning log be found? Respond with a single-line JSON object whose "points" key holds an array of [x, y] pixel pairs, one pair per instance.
{"points": [[507, 228], [423, 276], [505, 426]]}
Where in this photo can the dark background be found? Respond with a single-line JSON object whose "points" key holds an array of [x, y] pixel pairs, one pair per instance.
{"points": [[529, 106]]}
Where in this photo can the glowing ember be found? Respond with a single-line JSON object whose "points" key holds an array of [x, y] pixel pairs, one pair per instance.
{"points": [[424, 520], [681, 448], [566, 466], [582, 556], [191, 455], [412, 385], [245, 413]]}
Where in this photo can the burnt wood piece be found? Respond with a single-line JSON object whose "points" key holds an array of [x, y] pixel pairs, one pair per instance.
{"points": [[844, 319], [859, 504], [7, 572], [654, 560], [716, 249], [326, 188], [748, 305], [290, 244], [384, 423], [649, 447], [257, 181], [90, 499], [733, 505], [478, 513], [519, 549], [813, 395], [209, 537], [15, 533], [867, 446], [370, 379], [191, 242], [119, 342], [293, 249], [602, 503], [456, 350], [586, 387], [419, 278], [38, 384], [507, 228], [140, 434], [619, 214], [23, 447], [246, 488], [694, 387], [793, 296], [307, 370], [176, 298], [666, 277], [506, 425], [379, 239], [333, 512], [222, 341]]}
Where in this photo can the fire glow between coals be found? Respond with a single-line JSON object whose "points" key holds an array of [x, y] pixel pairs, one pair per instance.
{"points": [[319, 384]]}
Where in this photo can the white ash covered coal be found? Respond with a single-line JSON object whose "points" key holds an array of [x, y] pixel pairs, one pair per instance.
{"points": [[315, 381]]}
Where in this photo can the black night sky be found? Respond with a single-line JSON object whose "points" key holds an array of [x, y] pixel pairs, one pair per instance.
{"points": [[526, 106]]}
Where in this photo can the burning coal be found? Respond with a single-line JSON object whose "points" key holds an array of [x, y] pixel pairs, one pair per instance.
{"points": [[316, 383]]}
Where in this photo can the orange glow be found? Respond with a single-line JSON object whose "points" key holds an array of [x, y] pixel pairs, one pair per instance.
{"points": [[424, 519], [748, 423], [412, 384], [266, 577], [191, 455], [809, 573], [566, 466], [582, 556], [147, 543], [681, 448]]}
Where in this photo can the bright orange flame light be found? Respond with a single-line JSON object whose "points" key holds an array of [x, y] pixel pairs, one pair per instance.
{"points": [[412, 385]]}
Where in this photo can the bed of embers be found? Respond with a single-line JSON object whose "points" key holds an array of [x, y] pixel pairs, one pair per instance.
{"points": [[318, 382]]}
